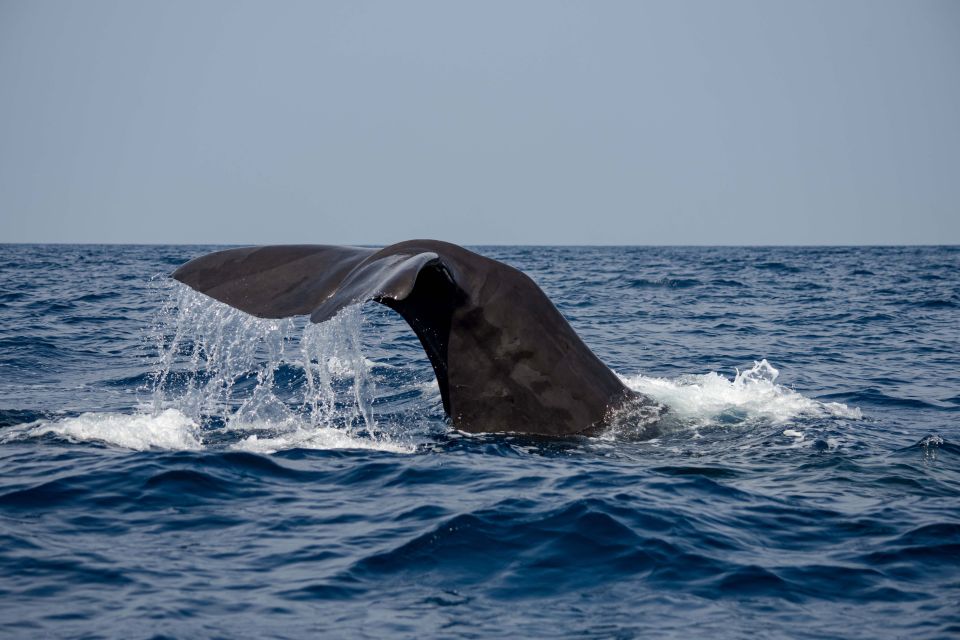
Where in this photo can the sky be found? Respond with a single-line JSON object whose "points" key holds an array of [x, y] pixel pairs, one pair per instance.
{"points": [[495, 122]]}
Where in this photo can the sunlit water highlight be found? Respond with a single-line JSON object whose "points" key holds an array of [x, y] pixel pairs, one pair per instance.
{"points": [[167, 458]]}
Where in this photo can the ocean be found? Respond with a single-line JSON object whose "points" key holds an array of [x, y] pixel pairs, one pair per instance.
{"points": [[173, 468]]}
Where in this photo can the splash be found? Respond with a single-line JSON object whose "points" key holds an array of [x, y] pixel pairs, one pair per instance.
{"points": [[321, 438], [225, 379], [168, 429], [222, 379], [220, 363], [753, 395], [172, 430]]}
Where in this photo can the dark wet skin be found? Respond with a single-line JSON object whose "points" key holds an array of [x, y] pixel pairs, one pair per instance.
{"points": [[505, 359]]}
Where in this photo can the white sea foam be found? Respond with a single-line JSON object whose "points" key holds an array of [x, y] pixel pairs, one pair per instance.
{"points": [[217, 376], [696, 400], [173, 430], [752, 394], [324, 438], [168, 429]]}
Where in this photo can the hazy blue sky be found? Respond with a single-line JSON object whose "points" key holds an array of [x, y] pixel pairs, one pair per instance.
{"points": [[487, 122]]}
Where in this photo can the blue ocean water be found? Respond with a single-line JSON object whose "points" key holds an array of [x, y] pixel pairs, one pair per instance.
{"points": [[173, 468]]}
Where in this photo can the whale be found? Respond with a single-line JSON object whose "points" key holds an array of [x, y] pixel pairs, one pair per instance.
{"points": [[505, 359]]}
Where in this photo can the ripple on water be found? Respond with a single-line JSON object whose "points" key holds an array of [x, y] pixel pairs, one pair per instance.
{"points": [[168, 464]]}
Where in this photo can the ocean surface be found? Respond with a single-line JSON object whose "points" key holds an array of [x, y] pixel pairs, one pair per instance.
{"points": [[170, 467]]}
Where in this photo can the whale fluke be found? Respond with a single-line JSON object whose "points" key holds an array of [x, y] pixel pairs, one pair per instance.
{"points": [[505, 359]]}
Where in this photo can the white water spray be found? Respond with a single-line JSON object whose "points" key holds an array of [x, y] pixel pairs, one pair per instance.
{"points": [[274, 379], [752, 395], [226, 379]]}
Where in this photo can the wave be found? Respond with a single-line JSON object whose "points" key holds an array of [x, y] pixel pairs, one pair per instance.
{"points": [[669, 283]]}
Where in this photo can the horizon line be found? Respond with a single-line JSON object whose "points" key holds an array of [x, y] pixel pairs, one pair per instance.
{"points": [[489, 244]]}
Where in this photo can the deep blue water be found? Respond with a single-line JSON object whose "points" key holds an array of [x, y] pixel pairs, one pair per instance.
{"points": [[172, 468]]}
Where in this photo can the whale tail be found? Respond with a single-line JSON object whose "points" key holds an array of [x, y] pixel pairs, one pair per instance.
{"points": [[504, 357]]}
